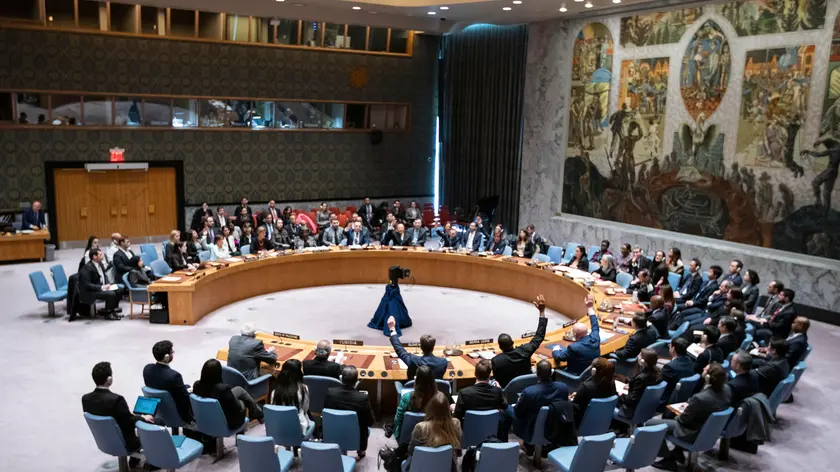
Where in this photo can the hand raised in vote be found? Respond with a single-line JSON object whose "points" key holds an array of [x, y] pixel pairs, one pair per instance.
{"points": [[392, 323], [590, 302], [540, 304]]}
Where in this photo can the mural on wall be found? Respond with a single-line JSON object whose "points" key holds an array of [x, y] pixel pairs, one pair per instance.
{"points": [[757, 17], [657, 28], [705, 71]]}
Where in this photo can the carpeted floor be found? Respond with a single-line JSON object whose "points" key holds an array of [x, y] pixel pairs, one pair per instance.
{"points": [[48, 363]]}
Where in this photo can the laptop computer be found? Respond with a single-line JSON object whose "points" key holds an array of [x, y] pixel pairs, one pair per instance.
{"points": [[146, 405]]}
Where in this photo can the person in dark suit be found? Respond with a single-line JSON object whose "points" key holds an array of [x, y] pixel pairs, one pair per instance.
{"points": [[122, 258], [321, 364], [33, 218], [642, 286], [694, 282], [579, 260], [639, 262], [643, 337], [775, 369], [177, 258], [523, 246], [95, 285], [711, 352], [200, 216], [659, 316], [715, 396], [515, 361], [781, 321], [245, 352], [368, 213], [750, 290], [261, 243], [356, 237], [304, 239], [417, 234], [523, 415], [701, 298], [771, 303], [745, 383], [243, 205], [607, 270], [334, 234], [472, 238], [103, 402], [679, 367], [451, 239], [600, 385], [728, 342], [427, 346], [220, 219], [483, 396], [586, 347], [162, 377], [647, 374], [497, 245], [797, 342], [600, 253], [348, 398], [397, 236], [734, 274], [235, 401]]}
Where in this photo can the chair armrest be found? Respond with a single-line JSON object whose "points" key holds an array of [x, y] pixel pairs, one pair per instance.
{"points": [[257, 381], [567, 375]]}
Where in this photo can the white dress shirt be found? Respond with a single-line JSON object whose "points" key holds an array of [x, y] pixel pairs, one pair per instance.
{"points": [[219, 253]]}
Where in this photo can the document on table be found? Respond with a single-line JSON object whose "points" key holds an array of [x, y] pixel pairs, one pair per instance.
{"points": [[605, 336], [487, 355], [338, 358], [170, 279], [233, 259]]}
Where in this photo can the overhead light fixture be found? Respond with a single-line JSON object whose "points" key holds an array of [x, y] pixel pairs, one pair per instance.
{"points": [[578, 1], [444, 8], [616, 1], [506, 8], [517, 2], [357, 8], [432, 13], [563, 8], [588, 5], [281, 0]]}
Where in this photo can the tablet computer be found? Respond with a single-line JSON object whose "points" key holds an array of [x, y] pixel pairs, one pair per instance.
{"points": [[146, 405]]}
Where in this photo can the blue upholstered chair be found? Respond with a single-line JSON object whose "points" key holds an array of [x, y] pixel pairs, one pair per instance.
{"points": [[555, 253], [204, 256], [736, 426], [646, 409], [408, 387], [517, 385], [257, 388], [137, 295], [542, 258], [569, 253], [282, 424], [589, 252], [341, 427], [748, 339], [478, 426], [160, 268], [498, 457], [674, 280], [322, 457], [166, 408], [256, 454], [706, 438], [148, 253], [210, 420], [43, 292], [245, 250], [430, 459], [593, 266], [661, 348], [159, 447], [572, 381], [589, 456], [598, 416], [684, 389], [623, 279], [781, 392], [797, 374], [508, 251], [109, 438], [59, 277], [679, 331], [640, 449], [538, 439], [807, 353], [318, 386], [409, 421]]}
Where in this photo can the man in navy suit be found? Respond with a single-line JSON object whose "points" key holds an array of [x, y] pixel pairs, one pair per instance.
{"points": [[701, 299], [427, 345], [162, 377], [695, 281], [745, 382], [779, 324], [643, 337], [680, 366], [33, 217], [697, 315], [734, 274], [356, 236], [524, 413], [580, 354], [472, 238], [417, 234], [798, 340], [775, 369]]}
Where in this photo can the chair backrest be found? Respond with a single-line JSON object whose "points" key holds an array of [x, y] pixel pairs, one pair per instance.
{"points": [[59, 276], [798, 371], [39, 284], [166, 408], [282, 424], [233, 377], [498, 457], [807, 353], [623, 279], [589, 252], [679, 331], [779, 394], [107, 434], [598, 416], [160, 267], [569, 253], [341, 427], [442, 386], [737, 424], [209, 417], [555, 254], [322, 457], [148, 253], [478, 426], [542, 258], [674, 280], [748, 339], [256, 454], [684, 389], [644, 446], [432, 458], [661, 348], [246, 249], [593, 266], [204, 255], [508, 251], [409, 421], [158, 446], [646, 409], [711, 430], [318, 386], [538, 436], [592, 453], [517, 385]]}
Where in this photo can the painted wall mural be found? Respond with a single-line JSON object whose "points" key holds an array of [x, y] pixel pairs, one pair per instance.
{"points": [[705, 71], [657, 28], [759, 17]]}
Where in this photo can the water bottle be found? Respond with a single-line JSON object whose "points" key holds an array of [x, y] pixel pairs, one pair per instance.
{"points": [[635, 296]]}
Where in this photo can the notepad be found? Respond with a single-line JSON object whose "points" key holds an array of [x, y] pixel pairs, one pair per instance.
{"points": [[756, 353], [487, 355], [338, 358], [695, 350], [170, 279], [678, 408], [232, 259], [620, 386], [605, 336]]}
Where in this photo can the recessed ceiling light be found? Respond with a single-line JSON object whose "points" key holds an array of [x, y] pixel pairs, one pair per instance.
{"points": [[281, 0], [616, 1], [517, 2], [357, 8], [432, 13], [578, 1], [506, 8], [563, 9], [588, 5], [444, 8]]}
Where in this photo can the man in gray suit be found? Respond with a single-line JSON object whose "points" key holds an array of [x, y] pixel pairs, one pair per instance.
{"points": [[417, 234], [333, 235], [245, 353]]}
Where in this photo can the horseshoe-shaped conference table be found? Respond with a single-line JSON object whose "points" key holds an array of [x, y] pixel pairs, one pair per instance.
{"points": [[191, 296]]}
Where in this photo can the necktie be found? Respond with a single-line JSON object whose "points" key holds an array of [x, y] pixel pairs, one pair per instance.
{"points": [[335, 235], [414, 237], [103, 274], [356, 238]]}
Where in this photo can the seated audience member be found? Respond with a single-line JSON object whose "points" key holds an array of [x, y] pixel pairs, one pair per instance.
{"points": [[321, 364], [137, 276], [162, 377], [122, 257], [600, 253], [415, 402], [647, 374], [235, 232], [390, 224], [103, 402], [659, 316], [497, 244], [417, 234], [333, 235], [439, 428], [193, 246], [243, 217], [169, 247], [396, 237], [674, 318], [208, 234], [781, 321], [750, 290], [500, 230], [600, 385], [643, 337], [774, 369], [702, 298], [483, 396], [247, 236], [322, 218], [272, 210], [711, 352], [740, 324], [745, 382], [347, 398], [715, 396], [288, 213], [261, 243], [797, 342], [586, 347], [540, 244], [623, 258], [271, 226], [93, 243], [398, 210], [523, 246], [200, 216], [451, 239], [280, 238], [245, 352], [679, 367], [515, 361], [427, 346], [579, 260], [233, 400], [177, 259], [659, 269], [219, 251], [220, 219], [229, 242], [727, 342], [472, 239], [304, 239], [356, 237], [642, 286], [524, 413], [479, 224], [639, 262], [367, 212], [772, 303], [607, 269], [734, 274], [33, 218], [675, 263], [94, 284], [690, 287], [291, 391], [412, 212]]}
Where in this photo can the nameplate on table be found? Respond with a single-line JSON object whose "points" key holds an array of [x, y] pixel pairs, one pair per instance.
{"points": [[529, 334], [349, 342], [411, 344], [473, 342], [286, 335], [570, 323]]}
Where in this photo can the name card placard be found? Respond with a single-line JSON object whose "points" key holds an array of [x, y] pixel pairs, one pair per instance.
{"points": [[286, 335], [529, 334], [473, 342], [570, 323], [349, 342], [411, 344]]}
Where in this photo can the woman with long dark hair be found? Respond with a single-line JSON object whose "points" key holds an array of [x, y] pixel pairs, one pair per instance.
{"points": [[291, 391], [750, 290], [523, 246], [659, 269], [647, 374], [438, 428], [234, 400], [92, 243], [415, 402], [193, 247], [600, 385], [675, 263]]}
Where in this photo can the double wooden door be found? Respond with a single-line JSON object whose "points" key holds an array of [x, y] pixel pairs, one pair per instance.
{"points": [[132, 203]]}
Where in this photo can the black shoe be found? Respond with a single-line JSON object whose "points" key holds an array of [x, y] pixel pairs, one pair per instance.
{"points": [[72, 318], [666, 464], [529, 450], [361, 454], [117, 310]]}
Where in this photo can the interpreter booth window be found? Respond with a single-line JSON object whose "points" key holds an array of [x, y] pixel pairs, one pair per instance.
{"points": [[378, 39], [149, 20], [287, 31], [388, 116], [123, 17], [7, 115], [157, 112], [236, 28], [261, 31], [128, 111], [66, 110], [32, 108], [184, 113], [399, 41], [333, 35], [97, 111], [213, 113], [334, 113], [239, 114], [286, 114], [310, 34], [307, 115], [24, 10], [59, 13], [92, 15], [356, 37], [182, 23], [210, 25], [355, 116], [263, 115]]}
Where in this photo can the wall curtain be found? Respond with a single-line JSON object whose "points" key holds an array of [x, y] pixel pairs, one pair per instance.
{"points": [[483, 77]]}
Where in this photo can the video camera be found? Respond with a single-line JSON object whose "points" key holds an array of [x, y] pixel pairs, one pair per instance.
{"points": [[396, 273]]}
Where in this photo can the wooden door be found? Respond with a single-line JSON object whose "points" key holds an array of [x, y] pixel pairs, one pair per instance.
{"points": [[161, 201], [71, 209], [133, 194]]}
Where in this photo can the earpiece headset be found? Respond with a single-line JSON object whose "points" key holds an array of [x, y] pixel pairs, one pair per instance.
{"points": [[167, 358], [707, 378]]}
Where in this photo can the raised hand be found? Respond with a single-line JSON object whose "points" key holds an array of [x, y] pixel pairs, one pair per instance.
{"points": [[590, 302], [540, 303], [392, 323]]}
